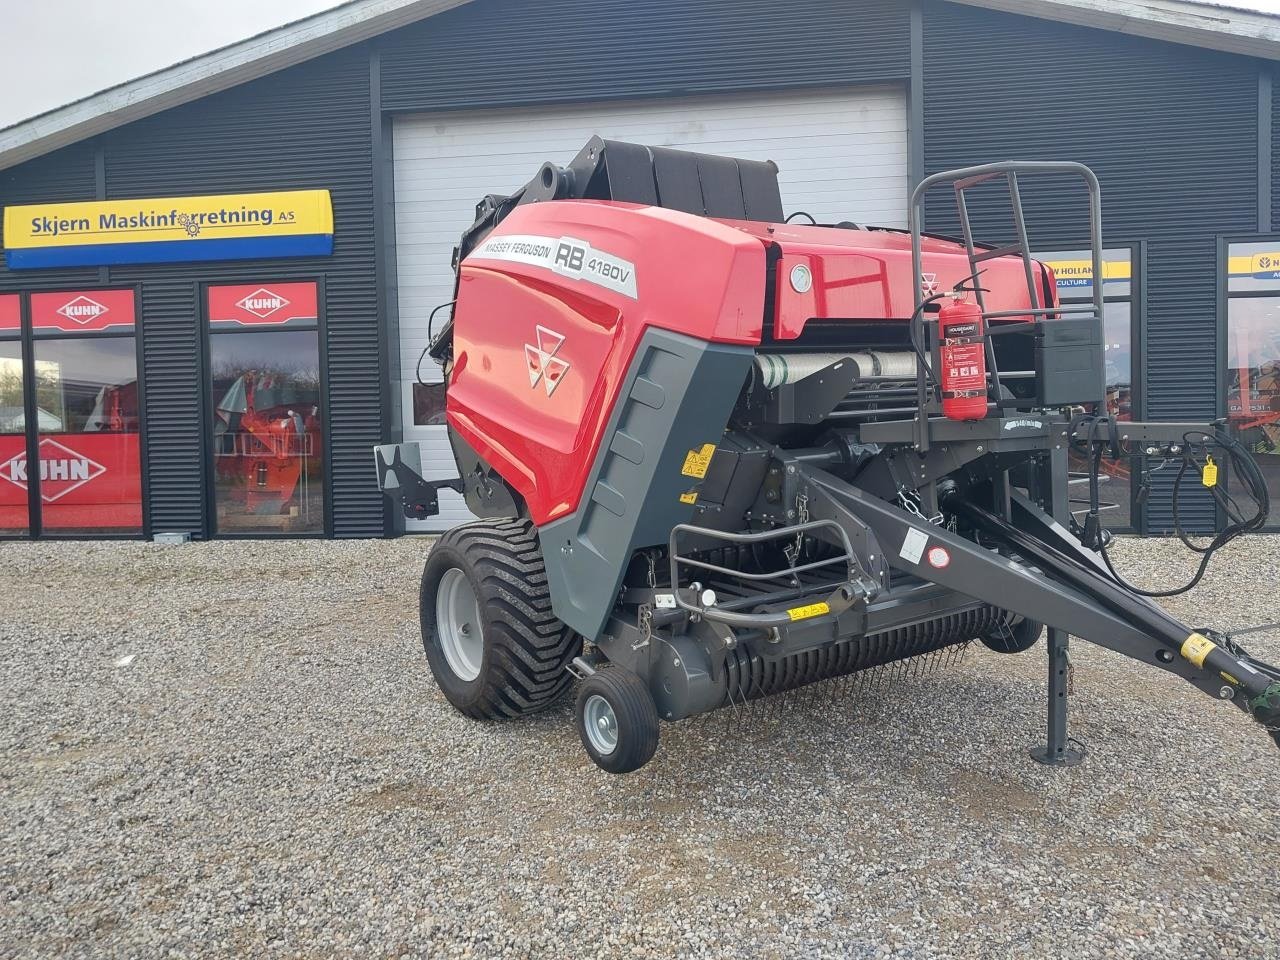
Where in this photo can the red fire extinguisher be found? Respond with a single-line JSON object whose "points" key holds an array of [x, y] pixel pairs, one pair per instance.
{"points": [[963, 359]]}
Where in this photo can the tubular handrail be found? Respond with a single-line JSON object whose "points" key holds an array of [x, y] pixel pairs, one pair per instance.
{"points": [[966, 178]]}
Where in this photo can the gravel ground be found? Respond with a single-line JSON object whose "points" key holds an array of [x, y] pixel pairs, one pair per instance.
{"points": [[235, 749]]}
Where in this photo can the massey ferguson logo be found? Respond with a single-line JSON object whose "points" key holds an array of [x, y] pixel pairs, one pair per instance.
{"points": [[82, 310], [544, 365], [262, 303], [61, 470]]}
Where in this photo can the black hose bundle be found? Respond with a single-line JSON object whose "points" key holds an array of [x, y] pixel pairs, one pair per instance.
{"points": [[1103, 440]]}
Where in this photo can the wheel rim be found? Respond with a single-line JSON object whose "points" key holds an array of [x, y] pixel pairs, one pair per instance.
{"points": [[458, 624], [601, 724]]}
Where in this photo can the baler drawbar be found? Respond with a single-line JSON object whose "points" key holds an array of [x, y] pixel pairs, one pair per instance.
{"points": [[718, 455]]}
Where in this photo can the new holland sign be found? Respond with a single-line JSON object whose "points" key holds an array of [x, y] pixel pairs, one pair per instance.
{"points": [[247, 226]]}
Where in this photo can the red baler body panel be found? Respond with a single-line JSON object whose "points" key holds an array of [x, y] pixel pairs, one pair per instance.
{"points": [[541, 353], [866, 275], [691, 275]]}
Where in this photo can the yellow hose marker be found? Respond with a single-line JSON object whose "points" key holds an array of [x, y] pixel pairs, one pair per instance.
{"points": [[1209, 476], [1196, 647], [808, 612]]}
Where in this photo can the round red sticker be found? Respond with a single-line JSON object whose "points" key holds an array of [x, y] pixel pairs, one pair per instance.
{"points": [[939, 558]]}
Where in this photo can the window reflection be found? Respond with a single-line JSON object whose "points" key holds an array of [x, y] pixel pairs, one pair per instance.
{"points": [[14, 516], [87, 419], [1073, 272], [268, 446], [1253, 380]]}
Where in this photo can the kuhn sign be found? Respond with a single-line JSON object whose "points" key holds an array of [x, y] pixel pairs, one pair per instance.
{"points": [[62, 470], [83, 310], [257, 305], [262, 303]]}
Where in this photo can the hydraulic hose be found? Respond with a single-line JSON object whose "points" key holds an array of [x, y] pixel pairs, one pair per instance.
{"points": [[1253, 483]]}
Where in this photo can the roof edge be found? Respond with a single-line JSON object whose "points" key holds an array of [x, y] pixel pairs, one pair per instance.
{"points": [[1229, 29], [209, 73]]}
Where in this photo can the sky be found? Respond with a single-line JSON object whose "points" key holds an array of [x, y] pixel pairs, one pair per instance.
{"points": [[57, 51]]}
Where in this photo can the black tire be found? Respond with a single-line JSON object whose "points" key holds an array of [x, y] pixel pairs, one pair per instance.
{"points": [[525, 648], [636, 719], [1014, 638]]}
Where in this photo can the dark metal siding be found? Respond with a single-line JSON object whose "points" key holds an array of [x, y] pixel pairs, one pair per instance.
{"points": [[511, 52], [172, 374], [60, 177], [1171, 132], [304, 128], [1275, 150]]}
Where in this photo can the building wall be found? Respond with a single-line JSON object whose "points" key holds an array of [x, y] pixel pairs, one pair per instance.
{"points": [[508, 52], [305, 128], [1171, 130]]}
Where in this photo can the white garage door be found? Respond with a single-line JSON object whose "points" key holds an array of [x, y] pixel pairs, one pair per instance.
{"points": [[842, 153]]}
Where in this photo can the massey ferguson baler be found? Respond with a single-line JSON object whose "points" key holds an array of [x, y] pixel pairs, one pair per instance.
{"points": [[737, 456]]}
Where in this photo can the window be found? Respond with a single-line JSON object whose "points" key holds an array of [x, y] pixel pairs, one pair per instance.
{"points": [[87, 411], [1253, 353], [1073, 272], [14, 516], [268, 448]]}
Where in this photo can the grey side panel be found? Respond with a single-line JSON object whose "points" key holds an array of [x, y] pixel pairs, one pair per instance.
{"points": [[677, 398]]}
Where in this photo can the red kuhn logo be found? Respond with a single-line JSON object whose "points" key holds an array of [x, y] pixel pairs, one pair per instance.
{"points": [[61, 470], [82, 310], [262, 303]]}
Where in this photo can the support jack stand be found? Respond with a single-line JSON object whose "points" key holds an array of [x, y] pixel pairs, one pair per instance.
{"points": [[1058, 752]]}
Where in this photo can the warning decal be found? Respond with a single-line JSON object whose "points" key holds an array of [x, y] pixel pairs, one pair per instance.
{"points": [[808, 612], [913, 545], [698, 462], [690, 497]]}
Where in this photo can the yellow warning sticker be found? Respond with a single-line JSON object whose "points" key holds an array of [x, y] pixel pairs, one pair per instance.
{"points": [[690, 497], [808, 612], [1197, 647], [698, 461], [1229, 678]]}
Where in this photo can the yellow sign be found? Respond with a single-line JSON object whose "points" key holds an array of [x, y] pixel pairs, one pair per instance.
{"points": [[690, 497], [1260, 266], [297, 223], [698, 462], [809, 612], [1079, 273]]}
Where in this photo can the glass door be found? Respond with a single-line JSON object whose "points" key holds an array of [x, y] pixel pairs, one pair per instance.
{"points": [[268, 421]]}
